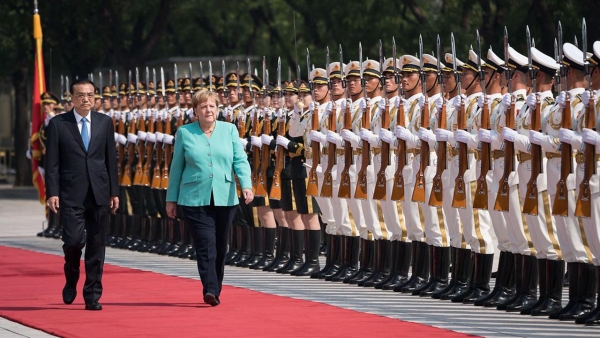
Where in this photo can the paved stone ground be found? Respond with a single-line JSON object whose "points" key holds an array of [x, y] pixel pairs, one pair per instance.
{"points": [[22, 217]]}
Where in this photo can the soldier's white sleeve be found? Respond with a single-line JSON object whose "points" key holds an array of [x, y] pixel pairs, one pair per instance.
{"points": [[550, 144], [522, 143], [297, 128]]}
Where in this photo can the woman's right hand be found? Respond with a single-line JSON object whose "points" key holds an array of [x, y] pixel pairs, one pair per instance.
{"points": [[171, 209]]}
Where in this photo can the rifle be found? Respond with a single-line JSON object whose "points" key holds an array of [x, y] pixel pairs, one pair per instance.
{"points": [[583, 207], [502, 200], [120, 131], [156, 177], [530, 205], [149, 144], [436, 194], [141, 147], [380, 192], [344, 191], [481, 192], [312, 188], [398, 188], [326, 189], [255, 149], [127, 179], [365, 152], [419, 190], [168, 148], [280, 152], [265, 151]]}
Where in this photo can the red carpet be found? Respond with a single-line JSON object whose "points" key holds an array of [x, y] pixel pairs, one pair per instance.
{"points": [[146, 304]]}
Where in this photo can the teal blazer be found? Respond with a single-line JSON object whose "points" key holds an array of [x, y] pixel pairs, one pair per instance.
{"points": [[203, 165]]}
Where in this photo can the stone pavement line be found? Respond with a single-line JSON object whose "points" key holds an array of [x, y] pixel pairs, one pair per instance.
{"points": [[10, 329], [457, 317]]}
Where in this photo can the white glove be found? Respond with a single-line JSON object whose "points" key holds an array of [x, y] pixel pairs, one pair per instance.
{"points": [[117, 114], [266, 139], [485, 135], [566, 135], [426, 135], [116, 136], [463, 136], [387, 136], [399, 101], [535, 137], [280, 114], [255, 141], [241, 117], [191, 113], [457, 101], [168, 139], [132, 138], [150, 137], [561, 99], [509, 134], [532, 101], [335, 138], [28, 154], [585, 98], [590, 136], [368, 136], [351, 137], [328, 108], [442, 134], [506, 101], [343, 104], [252, 112], [362, 104], [317, 136], [244, 142], [439, 102], [403, 133], [297, 110], [313, 105], [422, 101], [282, 141], [159, 136], [141, 135], [123, 140], [225, 113], [480, 99]]}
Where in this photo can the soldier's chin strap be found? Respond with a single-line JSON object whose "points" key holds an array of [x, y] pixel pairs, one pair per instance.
{"points": [[472, 81], [434, 84], [488, 83], [415, 86]]}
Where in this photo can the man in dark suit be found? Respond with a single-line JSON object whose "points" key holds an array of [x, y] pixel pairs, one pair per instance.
{"points": [[81, 179]]}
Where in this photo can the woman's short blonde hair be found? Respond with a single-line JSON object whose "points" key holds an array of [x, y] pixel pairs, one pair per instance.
{"points": [[204, 95]]}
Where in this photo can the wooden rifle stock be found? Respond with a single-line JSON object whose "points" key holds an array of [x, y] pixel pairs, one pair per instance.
{"points": [[121, 150], [459, 199], [265, 158], [583, 208], [159, 160], [561, 205], [255, 153], [327, 188], [127, 175], [361, 179], [149, 152], [164, 181], [419, 191], [241, 123], [141, 151], [436, 195], [344, 191], [312, 188], [279, 163], [502, 198], [481, 192], [380, 192], [530, 205], [398, 188]]}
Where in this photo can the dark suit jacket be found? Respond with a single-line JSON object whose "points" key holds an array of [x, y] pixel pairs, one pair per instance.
{"points": [[70, 171]]}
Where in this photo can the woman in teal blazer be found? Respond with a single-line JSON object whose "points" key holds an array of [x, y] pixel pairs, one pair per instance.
{"points": [[208, 155]]}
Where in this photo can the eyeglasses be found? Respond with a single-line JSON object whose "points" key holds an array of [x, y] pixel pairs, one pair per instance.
{"points": [[81, 96]]}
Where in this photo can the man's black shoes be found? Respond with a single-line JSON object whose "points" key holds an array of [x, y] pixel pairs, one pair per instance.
{"points": [[93, 305], [211, 299], [68, 294]]}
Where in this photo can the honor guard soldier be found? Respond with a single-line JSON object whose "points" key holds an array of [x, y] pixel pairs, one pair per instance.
{"points": [[106, 100], [97, 100]]}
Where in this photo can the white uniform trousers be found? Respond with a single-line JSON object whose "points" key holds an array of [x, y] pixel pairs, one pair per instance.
{"points": [[348, 226], [393, 219], [435, 225], [370, 207], [592, 229], [476, 223]]}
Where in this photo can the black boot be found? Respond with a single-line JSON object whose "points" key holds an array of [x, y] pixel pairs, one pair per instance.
{"points": [[480, 284], [401, 263], [573, 281], [116, 232], [594, 317], [420, 274], [586, 290], [461, 275], [127, 230], [349, 259], [145, 221], [528, 294], [453, 269], [414, 248], [441, 270], [282, 256], [518, 285], [385, 264], [392, 263], [233, 244], [311, 254], [167, 235], [555, 271], [269, 247], [178, 236], [367, 264], [257, 247], [246, 246], [332, 256], [543, 283], [505, 283], [296, 260]]}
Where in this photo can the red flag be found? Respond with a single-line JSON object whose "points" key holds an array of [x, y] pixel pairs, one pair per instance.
{"points": [[37, 115]]}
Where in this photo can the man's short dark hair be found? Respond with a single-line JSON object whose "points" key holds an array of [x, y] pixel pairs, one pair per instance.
{"points": [[80, 82]]}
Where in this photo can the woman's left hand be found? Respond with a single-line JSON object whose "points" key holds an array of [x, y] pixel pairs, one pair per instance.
{"points": [[248, 195]]}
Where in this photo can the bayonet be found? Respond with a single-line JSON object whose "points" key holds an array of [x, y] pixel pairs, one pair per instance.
{"points": [[421, 72], [239, 88], [327, 71], [137, 87], [575, 42], [176, 84], [62, 90], [363, 82], [202, 74], [381, 69], [562, 69], [310, 83], [279, 77], [264, 78], [129, 96], [210, 83], [225, 90], [298, 73], [191, 83], [91, 76], [557, 59], [530, 59], [289, 74], [250, 81], [67, 88], [439, 64], [586, 63], [100, 86], [162, 87], [148, 86], [343, 73], [117, 87], [508, 71]]}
